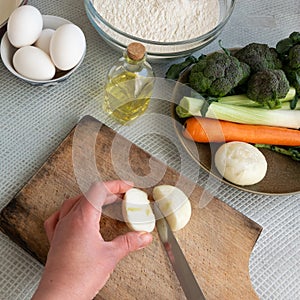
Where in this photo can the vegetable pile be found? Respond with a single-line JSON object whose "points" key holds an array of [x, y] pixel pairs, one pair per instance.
{"points": [[253, 91]]}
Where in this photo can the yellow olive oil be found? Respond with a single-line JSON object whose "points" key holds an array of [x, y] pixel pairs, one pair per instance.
{"points": [[127, 96], [129, 85]]}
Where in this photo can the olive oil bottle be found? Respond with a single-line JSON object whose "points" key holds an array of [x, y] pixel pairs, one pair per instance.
{"points": [[129, 85]]}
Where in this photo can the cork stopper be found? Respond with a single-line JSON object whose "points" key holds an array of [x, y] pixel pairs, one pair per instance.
{"points": [[136, 51]]}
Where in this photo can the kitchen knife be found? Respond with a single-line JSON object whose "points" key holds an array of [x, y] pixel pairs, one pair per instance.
{"points": [[181, 267]]}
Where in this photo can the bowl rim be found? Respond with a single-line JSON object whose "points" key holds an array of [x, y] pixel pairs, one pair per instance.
{"points": [[5, 44], [91, 8]]}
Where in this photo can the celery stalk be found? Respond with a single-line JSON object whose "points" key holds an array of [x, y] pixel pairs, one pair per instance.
{"points": [[240, 109], [258, 116], [190, 106], [245, 101], [239, 100]]}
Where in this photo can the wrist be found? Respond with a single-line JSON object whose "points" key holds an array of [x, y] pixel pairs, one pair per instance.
{"points": [[55, 288], [51, 291]]}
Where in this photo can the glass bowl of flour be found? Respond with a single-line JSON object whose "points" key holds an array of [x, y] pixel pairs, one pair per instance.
{"points": [[167, 28]]}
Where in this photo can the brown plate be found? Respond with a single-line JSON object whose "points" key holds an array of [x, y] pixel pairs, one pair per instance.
{"points": [[283, 174]]}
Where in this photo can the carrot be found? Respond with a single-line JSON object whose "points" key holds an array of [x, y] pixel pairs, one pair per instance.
{"points": [[205, 130]]}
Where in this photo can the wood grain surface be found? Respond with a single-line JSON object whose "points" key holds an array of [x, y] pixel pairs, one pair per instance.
{"points": [[217, 241]]}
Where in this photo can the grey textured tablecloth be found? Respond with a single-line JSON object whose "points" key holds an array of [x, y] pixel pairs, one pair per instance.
{"points": [[33, 121]]}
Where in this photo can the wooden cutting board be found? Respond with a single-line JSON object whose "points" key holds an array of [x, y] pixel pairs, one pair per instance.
{"points": [[217, 241]]}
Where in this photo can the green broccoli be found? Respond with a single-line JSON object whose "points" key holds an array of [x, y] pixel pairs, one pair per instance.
{"points": [[292, 68], [293, 77], [267, 87], [284, 45], [217, 74], [289, 52], [294, 57], [259, 57]]}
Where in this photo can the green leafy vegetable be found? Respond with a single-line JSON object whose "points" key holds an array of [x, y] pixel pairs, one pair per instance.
{"points": [[244, 100], [218, 74], [243, 111], [295, 102], [283, 46], [259, 57], [289, 52], [267, 87], [175, 70], [253, 115], [190, 106], [197, 106], [293, 152]]}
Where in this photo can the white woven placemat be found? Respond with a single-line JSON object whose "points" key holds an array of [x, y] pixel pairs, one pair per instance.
{"points": [[33, 121]]}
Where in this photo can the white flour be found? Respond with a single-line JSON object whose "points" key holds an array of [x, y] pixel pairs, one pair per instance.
{"points": [[161, 20]]}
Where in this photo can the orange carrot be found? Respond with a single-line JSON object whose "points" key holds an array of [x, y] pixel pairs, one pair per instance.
{"points": [[205, 130]]}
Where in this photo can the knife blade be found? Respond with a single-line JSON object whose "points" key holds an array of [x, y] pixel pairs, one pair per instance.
{"points": [[180, 265]]}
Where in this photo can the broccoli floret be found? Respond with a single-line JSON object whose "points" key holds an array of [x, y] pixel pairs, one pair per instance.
{"points": [[293, 77], [267, 87], [295, 37], [217, 74], [259, 57], [294, 57], [284, 45], [289, 51]]}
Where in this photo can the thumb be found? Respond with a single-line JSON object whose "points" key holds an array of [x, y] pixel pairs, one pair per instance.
{"points": [[129, 242]]}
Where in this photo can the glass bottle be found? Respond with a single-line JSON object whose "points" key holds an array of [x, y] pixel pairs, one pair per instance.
{"points": [[129, 85]]}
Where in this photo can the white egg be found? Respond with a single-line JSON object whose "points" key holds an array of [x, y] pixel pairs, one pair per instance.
{"points": [[43, 41], [33, 63], [240, 163], [67, 46], [24, 26]]}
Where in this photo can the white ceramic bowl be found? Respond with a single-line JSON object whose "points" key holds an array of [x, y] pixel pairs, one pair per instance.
{"points": [[7, 52], [157, 50]]}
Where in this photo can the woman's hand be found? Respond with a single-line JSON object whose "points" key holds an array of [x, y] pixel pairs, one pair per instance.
{"points": [[79, 261]]}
